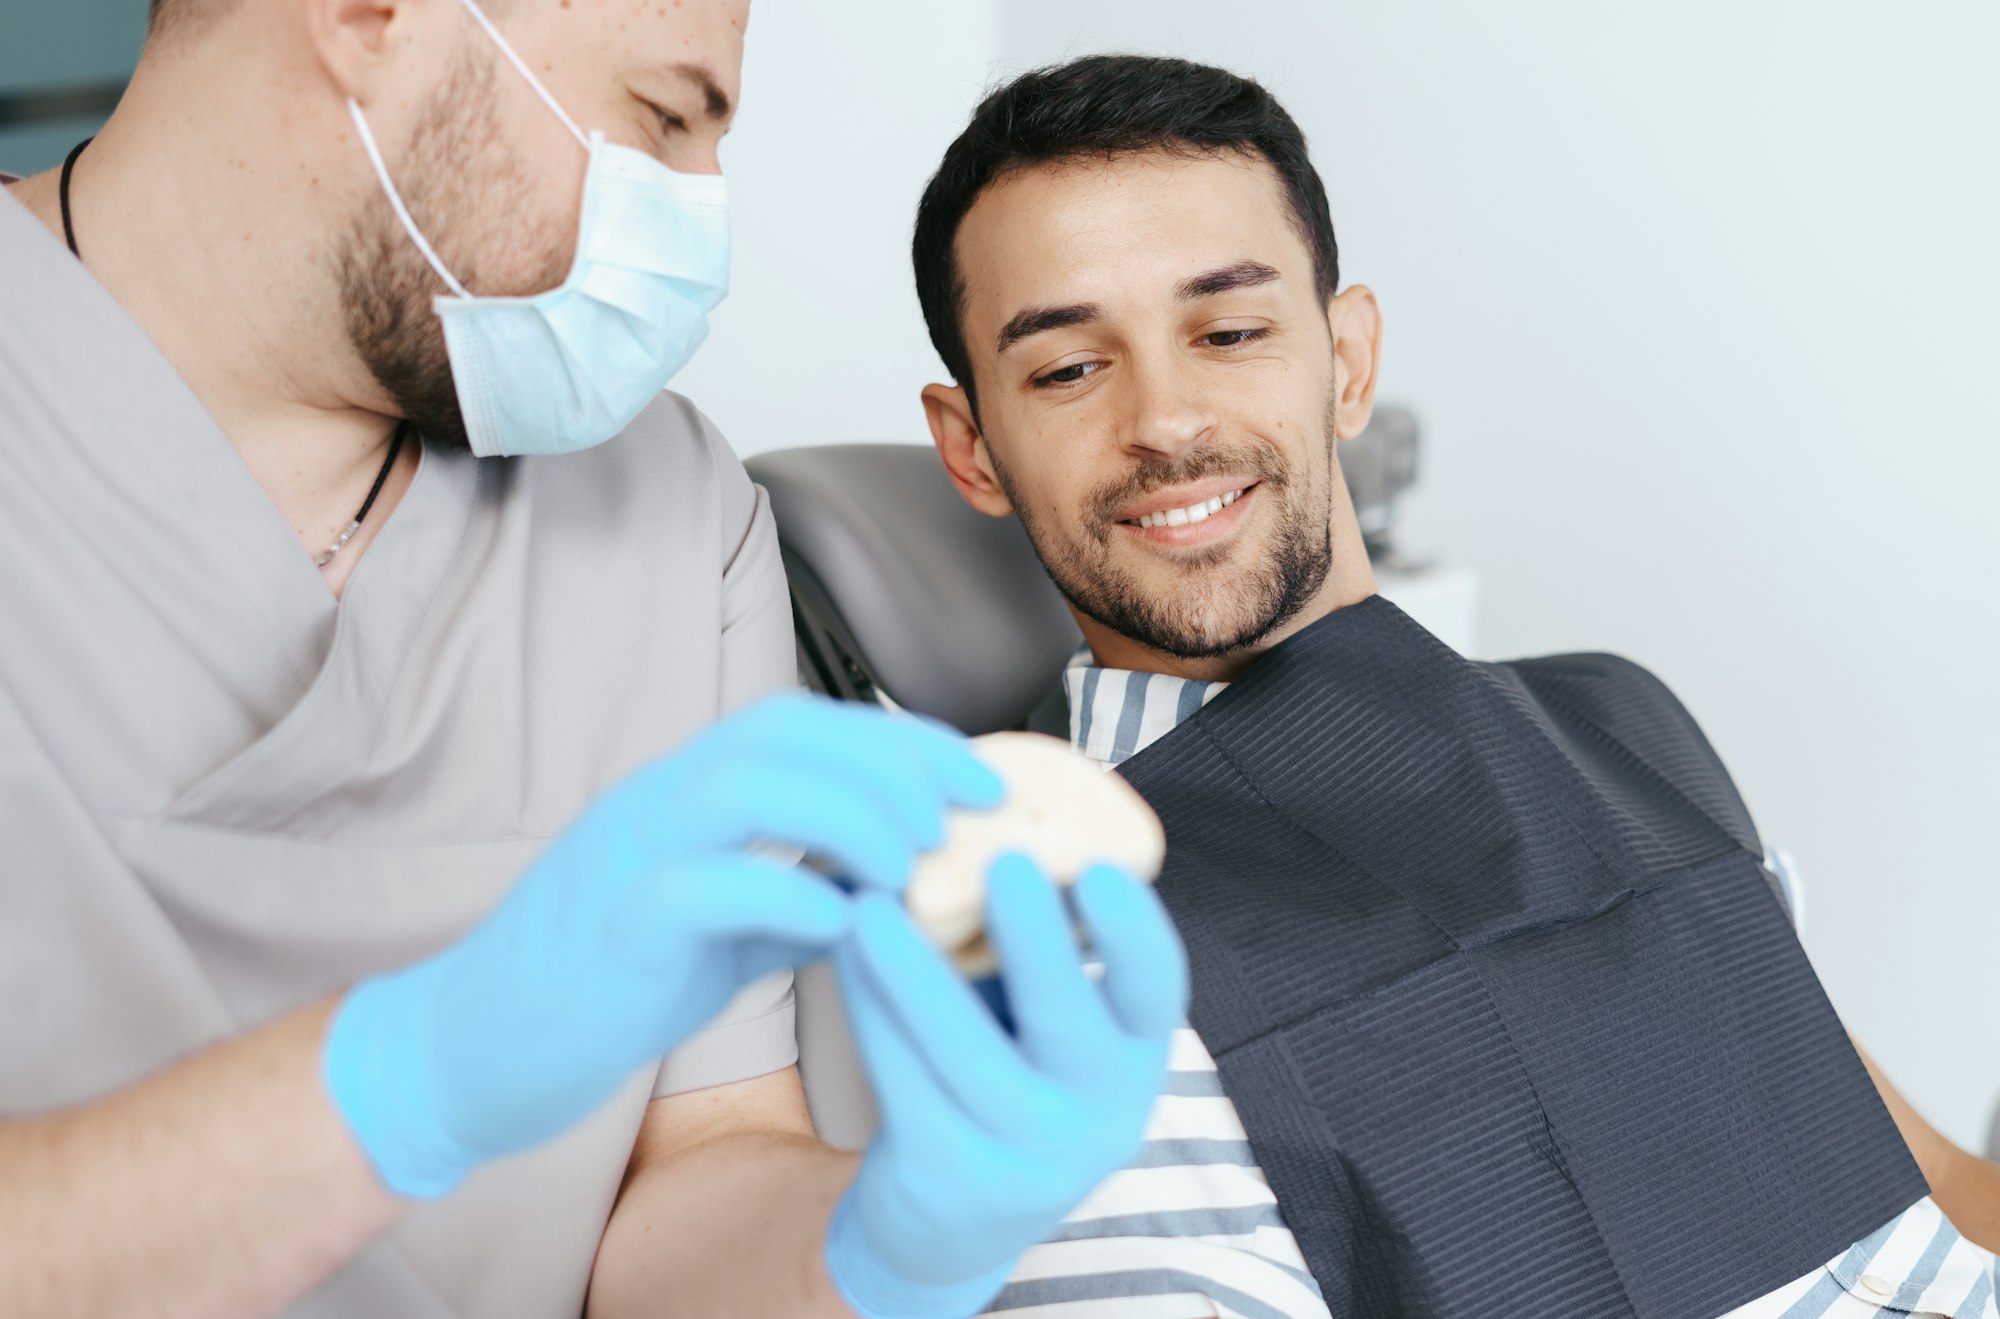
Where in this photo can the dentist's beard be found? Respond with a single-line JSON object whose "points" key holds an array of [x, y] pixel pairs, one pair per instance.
{"points": [[462, 185]]}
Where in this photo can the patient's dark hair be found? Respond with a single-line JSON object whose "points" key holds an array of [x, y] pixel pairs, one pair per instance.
{"points": [[1105, 105]]}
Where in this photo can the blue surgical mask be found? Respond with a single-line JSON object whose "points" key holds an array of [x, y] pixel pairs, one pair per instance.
{"points": [[570, 368]]}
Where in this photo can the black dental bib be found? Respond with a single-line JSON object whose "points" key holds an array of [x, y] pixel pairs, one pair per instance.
{"points": [[1494, 975]]}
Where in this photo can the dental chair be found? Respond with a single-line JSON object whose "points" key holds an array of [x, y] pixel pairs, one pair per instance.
{"points": [[904, 595], [900, 589]]}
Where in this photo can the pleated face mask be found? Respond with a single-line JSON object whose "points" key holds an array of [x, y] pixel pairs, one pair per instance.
{"points": [[570, 368]]}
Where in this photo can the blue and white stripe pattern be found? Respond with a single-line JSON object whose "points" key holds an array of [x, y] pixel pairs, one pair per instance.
{"points": [[1192, 1230], [1916, 1264], [1115, 713]]}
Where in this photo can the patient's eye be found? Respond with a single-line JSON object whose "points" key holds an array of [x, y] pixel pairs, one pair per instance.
{"points": [[1066, 375], [1236, 338]]}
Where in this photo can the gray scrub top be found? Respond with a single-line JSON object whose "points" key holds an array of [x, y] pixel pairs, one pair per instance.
{"points": [[224, 794]]}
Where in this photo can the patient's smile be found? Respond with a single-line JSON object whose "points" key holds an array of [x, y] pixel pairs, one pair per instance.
{"points": [[1197, 516]]}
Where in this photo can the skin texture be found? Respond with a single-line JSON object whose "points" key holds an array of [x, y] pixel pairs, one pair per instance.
{"points": [[1138, 404], [224, 1185], [1159, 398], [230, 208]]}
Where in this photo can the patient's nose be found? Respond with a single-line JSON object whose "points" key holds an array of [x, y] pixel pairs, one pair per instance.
{"points": [[1167, 414]]}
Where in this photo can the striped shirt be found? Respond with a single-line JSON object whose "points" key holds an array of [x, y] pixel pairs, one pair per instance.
{"points": [[1192, 1230]]}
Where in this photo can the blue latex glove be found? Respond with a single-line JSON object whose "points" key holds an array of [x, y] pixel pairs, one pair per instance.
{"points": [[635, 928], [988, 1140]]}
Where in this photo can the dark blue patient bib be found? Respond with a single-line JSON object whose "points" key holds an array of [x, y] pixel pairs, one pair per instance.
{"points": [[1491, 968]]}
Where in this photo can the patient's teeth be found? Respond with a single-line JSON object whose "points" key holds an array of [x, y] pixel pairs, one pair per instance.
{"points": [[1180, 517]]}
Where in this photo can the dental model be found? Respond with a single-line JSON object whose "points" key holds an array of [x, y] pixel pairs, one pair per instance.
{"points": [[1062, 810]]}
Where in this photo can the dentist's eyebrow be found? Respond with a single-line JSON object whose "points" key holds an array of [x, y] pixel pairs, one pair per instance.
{"points": [[1037, 320], [1241, 275], [716, 101]]}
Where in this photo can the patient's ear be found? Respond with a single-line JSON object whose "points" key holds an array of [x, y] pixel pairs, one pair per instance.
{"points": [[963, 449], [1356, 324]]}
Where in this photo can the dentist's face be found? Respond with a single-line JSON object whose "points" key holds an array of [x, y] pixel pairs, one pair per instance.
{"points": [[1156, 384], [495, 180]]}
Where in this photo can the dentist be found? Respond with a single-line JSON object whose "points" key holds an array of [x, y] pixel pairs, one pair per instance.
{"points": [[388, 729]]}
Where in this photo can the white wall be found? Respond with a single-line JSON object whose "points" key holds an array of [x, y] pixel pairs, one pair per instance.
{"points": [[1699, 303], [846, 111]]}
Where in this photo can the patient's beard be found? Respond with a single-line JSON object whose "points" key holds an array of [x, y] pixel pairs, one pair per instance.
{"points": [[462, 187], [1216, 612]]}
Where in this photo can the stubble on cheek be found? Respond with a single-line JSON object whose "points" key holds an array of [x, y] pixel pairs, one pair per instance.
{"points": [[465, 189]]}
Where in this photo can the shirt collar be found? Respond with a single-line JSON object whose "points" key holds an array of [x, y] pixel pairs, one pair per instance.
{"points": [[1115, 714]]}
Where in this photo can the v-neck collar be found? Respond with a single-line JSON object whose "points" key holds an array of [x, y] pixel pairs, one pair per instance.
{"points": [[142, 457], [161, 459], [327, 734]]}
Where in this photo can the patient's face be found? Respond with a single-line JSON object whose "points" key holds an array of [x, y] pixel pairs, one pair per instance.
{"points": [[1157, 386]]}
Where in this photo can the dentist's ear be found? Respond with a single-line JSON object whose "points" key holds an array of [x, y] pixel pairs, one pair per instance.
{"points": [[1356, 325], [963, 449], [363, 45]]}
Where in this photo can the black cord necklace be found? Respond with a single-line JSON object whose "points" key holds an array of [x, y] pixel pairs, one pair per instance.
{"points": [[395, 440], [62, 189], [395, 447]]}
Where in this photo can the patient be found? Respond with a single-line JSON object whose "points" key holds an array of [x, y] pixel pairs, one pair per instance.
{"points": [[1497, 1009]]}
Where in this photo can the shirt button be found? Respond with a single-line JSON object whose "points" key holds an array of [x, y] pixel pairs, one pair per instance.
{"points": [[1874, 1285]]}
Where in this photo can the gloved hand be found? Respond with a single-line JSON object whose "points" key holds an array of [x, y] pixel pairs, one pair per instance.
{"points": [[635, 928], [988, 1141]]}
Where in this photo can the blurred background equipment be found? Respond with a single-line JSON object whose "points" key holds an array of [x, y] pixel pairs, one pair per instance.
{"points": [[1380, 464]]}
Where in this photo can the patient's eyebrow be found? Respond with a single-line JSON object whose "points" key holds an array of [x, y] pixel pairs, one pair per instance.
{"points": [[1035, 320], [1241, 275]]}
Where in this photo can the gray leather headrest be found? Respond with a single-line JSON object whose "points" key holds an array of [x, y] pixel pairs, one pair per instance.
{"points": [[948, 610]]}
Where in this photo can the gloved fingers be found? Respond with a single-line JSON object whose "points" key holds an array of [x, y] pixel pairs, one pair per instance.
{"points": [[914, 1104], [883, 769], [1145, 964], [1063, 1023], [965, 779], [943, 1018], [975, 785], [759, 957], [727, 896], [876, 752], [945, 756], [840, 818]]}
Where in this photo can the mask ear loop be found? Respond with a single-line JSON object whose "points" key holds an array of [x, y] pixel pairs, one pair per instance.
{"points": [[534, 82], [396, 201]]}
